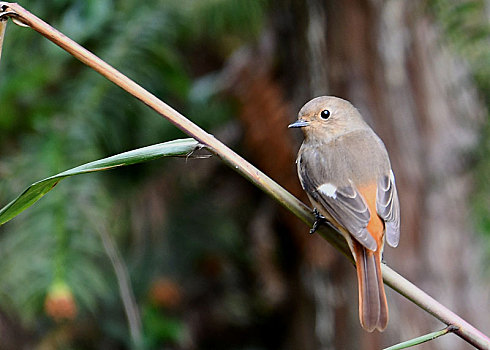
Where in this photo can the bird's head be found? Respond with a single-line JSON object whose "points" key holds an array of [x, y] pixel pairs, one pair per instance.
{"points": [[328, 116]]}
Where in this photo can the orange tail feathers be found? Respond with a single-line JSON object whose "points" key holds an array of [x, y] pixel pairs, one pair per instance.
{"points": [[373, 308]]}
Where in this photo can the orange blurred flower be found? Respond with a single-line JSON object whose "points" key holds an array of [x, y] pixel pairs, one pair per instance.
{"points": [[60, 303]]}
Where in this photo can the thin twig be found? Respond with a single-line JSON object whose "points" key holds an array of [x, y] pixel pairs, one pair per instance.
{"points": [[125, 289], [394, 280]]}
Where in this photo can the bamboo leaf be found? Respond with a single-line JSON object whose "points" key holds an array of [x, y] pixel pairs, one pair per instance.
{"points": [[38, 189], [421, 339]]}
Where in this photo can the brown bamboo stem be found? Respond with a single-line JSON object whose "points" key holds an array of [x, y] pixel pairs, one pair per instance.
{"points": [[3, 26], [393, 279]]}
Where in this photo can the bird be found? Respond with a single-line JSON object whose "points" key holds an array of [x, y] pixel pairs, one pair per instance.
{"points": [[344, 168]]}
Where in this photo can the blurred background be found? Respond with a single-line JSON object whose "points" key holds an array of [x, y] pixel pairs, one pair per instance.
{"points": [[186, 254]]}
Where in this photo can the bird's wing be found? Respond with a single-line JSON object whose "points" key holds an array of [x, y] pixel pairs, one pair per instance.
{"points": [[388, 208], [344, 204]]}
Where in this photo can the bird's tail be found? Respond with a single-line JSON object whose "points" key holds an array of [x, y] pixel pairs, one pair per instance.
{"points": [[373, 308]]}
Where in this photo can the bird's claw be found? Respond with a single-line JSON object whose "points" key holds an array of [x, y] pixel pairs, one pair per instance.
{"points": [[319, 219]]}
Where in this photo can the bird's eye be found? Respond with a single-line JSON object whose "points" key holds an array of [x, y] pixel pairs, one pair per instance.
{"points": [[325, 114]]}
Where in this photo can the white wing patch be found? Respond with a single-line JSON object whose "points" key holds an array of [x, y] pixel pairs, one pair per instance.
{"points": [[329, 190]]}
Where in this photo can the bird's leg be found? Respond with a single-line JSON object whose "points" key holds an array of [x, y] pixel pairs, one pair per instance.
{"points": [[319, 219]]}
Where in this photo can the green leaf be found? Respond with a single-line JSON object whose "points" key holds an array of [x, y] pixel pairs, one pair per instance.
{"points": [[421, 339], [38, 189]]}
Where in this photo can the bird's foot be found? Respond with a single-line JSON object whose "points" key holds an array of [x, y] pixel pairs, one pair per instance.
{"points": [[319, 219]]}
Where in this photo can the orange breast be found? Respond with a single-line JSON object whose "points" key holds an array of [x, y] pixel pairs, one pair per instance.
{"points": [[376, 225]]}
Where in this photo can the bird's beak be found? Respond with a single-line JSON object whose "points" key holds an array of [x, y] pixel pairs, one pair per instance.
{"points": [[299, 124]]}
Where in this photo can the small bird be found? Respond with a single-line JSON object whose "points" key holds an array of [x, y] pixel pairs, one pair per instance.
{"points": [[344, 168]]}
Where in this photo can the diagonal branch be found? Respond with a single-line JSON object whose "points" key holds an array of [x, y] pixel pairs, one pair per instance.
{"points": [[393, 279], [3, 26]]}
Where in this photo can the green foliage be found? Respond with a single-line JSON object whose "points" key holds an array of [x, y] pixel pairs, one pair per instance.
{"points": [[161, 328], [56, 113]]}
